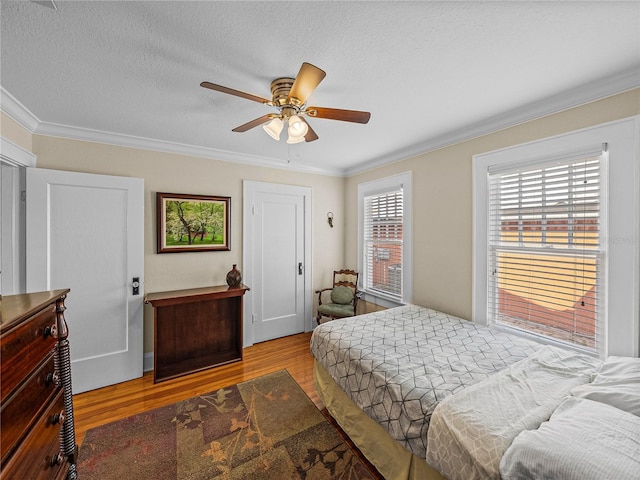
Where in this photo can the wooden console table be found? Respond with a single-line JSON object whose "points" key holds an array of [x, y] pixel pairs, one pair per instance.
{"points": [[196, 329]]}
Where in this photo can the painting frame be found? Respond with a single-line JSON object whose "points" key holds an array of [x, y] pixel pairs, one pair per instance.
{"points": [[185, 222]]}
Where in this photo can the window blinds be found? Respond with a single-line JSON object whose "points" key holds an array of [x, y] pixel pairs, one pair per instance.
{"points": [[383, 221], [545, 250]]}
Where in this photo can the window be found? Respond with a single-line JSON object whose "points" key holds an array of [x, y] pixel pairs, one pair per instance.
{"points": [[383, 243], [385, 239], [556, 257], [545, 252]]}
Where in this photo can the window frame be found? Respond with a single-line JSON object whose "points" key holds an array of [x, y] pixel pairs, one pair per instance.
{"points": [[622, 272], [540, 183], [404, 181]]}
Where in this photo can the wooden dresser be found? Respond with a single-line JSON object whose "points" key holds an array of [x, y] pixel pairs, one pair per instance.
{"points": [[37, 438]]}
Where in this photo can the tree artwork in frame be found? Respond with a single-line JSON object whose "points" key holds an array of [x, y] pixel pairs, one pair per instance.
{"points": [[192, 223]]}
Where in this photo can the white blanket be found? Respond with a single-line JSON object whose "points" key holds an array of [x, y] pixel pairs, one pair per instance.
{"points": [[471, 430], [583, 440]]}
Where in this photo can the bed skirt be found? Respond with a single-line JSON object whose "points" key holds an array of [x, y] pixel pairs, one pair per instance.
{"points": [[391, 459]]}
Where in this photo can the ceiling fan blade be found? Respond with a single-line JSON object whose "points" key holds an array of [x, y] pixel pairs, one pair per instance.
{"points": [[311, 135], [253, 123], [231, 91], [339, 114], [308, 78]]}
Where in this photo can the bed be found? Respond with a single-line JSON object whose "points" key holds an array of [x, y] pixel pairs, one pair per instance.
{"points": [[411, 386]]}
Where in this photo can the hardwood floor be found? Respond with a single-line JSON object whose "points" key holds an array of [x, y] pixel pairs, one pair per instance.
{"points": [[107, 404]]}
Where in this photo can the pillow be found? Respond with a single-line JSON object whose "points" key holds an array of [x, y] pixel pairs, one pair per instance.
{"points": [[583, 440], [341, 295], [617, 383]]}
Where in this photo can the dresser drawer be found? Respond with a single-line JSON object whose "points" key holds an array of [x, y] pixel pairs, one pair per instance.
{"points": [[20, 411], [34, 458], [24, 347]]}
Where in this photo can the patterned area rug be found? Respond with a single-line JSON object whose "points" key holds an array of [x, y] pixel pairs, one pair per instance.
{"points": [[266, 428]]}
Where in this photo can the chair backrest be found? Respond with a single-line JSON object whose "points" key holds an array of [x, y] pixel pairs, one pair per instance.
{"points": [[346, 278]]}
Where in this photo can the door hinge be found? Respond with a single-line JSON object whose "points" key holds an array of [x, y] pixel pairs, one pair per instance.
{"points": [[23, 195], [253, 209]]}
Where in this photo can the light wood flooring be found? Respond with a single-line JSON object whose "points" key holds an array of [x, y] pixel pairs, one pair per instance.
{"points": [[107, 404]]}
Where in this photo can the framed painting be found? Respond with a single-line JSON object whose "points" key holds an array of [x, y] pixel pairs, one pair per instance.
{"points": [[192, 223]]}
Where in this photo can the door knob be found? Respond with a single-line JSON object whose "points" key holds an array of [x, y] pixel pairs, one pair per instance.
{"points": [[300, 268], [135, 286]]}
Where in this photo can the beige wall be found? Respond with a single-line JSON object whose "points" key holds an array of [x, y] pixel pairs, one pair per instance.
{"points": [[441, 218], [164, 172], [442, 201], [15, 133]]}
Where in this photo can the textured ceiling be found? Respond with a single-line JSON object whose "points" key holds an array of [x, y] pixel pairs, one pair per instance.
{"points": [[429, 72]]}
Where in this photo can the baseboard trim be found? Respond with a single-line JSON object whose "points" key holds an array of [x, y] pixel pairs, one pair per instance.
{"points": [[147, 362]]}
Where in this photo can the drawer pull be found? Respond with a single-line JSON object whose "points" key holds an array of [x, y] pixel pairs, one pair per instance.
{"points": [[57, 459], [58, 418], [54, 378], [50, 331]]}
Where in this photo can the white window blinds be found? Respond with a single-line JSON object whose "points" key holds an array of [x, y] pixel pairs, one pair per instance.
{"points": [[545, 254], [383, 231]]}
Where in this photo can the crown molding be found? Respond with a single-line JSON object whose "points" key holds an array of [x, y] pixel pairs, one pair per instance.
{"points": [[16, 155], [131, 141], [586, 93], [23, 116], [589, 92], [17, 111]]}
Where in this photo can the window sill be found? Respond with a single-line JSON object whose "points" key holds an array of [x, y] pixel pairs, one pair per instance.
{"points": [[376, 298], [545, 339]]}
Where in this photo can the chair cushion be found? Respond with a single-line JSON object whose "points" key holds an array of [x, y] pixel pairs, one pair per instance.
{"points": [[336, 310], [342, 295]]}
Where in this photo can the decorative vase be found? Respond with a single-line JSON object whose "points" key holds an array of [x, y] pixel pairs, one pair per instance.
{"points": [[234, 277]]}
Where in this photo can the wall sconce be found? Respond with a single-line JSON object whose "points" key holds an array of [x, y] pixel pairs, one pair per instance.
{"points": [[330, 219]]}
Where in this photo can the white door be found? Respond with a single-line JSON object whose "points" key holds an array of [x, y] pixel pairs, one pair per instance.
{"points": [[13, 160], [277, 260], [85, 232], [12, 227]]}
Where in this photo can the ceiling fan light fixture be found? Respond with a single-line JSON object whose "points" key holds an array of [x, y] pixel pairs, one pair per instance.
{"points": [[273, 128], [297, 127], [293, 139]]}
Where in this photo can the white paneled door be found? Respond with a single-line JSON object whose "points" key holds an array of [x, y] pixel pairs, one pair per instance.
{"points": [[276, 260], [85, 232]]}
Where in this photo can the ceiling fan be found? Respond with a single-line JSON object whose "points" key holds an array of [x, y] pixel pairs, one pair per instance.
{"points": [[289, 96]]}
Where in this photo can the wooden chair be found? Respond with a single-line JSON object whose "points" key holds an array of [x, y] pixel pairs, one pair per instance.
{"points": [[344, 296]]}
